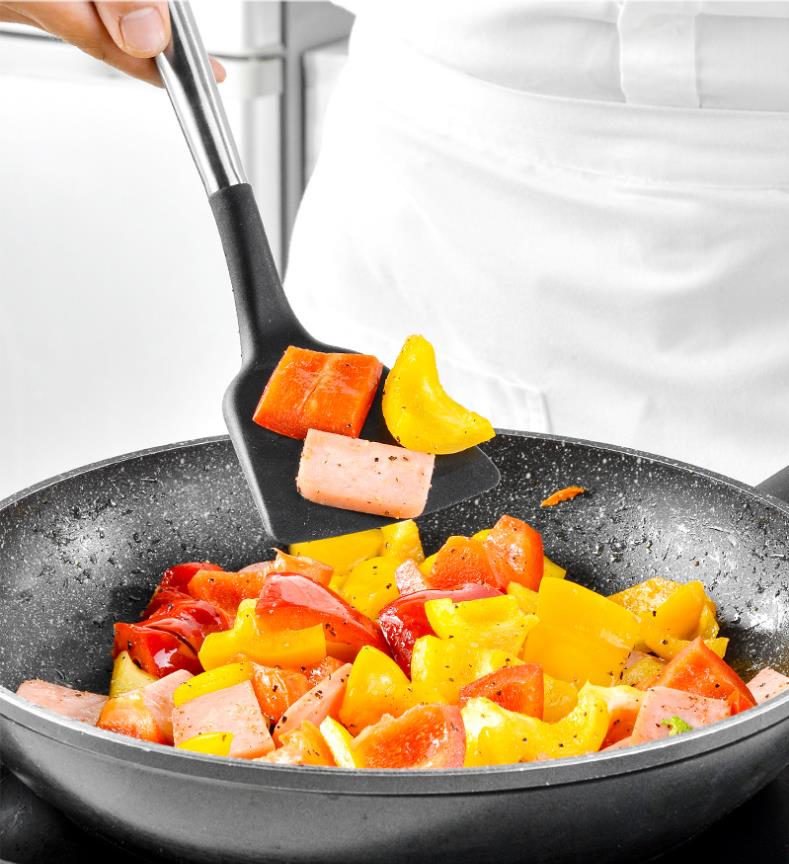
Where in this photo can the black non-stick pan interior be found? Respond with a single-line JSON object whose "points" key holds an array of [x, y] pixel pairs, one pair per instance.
{"points": [[86, 551]]}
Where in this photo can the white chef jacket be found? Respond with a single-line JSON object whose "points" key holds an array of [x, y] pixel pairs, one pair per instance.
{"points": [[585, 206]]}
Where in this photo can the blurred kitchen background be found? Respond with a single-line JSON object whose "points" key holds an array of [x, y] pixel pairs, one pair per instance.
{"points": [[117, 326]]}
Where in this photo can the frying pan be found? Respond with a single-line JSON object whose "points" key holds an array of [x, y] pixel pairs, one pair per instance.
{"points": [[86, 549]]}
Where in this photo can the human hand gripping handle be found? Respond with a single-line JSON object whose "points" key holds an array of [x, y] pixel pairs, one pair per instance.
{"points": [[125, 35]]}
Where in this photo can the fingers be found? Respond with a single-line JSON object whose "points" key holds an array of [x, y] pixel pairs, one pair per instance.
{"points": [[140, 29], [79, 24], [8, 15], [116, 33]]}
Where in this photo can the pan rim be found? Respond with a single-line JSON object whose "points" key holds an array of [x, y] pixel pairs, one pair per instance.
{"points": [[399, 781]]}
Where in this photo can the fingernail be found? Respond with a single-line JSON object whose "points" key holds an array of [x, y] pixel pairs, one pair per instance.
{"points": [[143, 31]]}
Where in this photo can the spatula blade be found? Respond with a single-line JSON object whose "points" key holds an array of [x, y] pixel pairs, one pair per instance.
{"points": [[270, 463]]}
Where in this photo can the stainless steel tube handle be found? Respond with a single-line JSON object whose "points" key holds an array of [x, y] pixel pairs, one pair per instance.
{"points": [[189, 80]]}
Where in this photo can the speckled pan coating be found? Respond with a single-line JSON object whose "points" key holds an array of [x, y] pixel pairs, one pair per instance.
{"points": [[82, 551]]}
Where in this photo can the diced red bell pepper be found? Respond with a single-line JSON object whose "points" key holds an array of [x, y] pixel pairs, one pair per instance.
{"points": [[277, 689], [343, 395], [303, 566], [163, 597], [177, 577], [312, 390], [463, 561], [227, 590], [292, 381], [321, 670], [128, 714], [404, 620], [514, 551], [698, 669], [302, 746], [189, 619], [426, 736], [294, 602], [516, 688], [155, 651]]}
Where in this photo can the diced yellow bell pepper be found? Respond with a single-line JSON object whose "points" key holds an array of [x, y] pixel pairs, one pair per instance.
{"points": [[343, 552], [552, 569], [340, 742], [492, 622], [708, 627], [419, 413], [559, 698], [527, 599], [371, 585], [209, 743], [680, 618], [496, 736], [668, 647], [646, 596], [669, 609], [401, 541], [127, 675], [581, 635], [292, 648], [218, 678], [376, 686], [426, 567], [440, 667], [643, 671]]}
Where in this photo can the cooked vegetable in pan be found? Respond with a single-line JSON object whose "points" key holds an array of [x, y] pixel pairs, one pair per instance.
{"points": [[359, 652]]}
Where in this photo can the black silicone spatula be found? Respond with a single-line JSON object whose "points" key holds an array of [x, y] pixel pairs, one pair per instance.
{"points": [[266, 322]]}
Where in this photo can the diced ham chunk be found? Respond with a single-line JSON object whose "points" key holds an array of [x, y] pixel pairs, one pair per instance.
{"points": [[620, 744], [158, 697], [766, 684], [234, 709], [366, 476], [76, 704], [324, 700], [409, 578], [661, 703]]}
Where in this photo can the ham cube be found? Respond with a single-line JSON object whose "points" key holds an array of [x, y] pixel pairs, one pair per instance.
{"points": [[354, 474], [76, 704], [324, 700], [158, 697], [766, 684], [661, 703], [409, 578], [233, 709]]}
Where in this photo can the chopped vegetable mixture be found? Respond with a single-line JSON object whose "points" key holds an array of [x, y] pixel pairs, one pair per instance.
{"points": [[360, 652]]}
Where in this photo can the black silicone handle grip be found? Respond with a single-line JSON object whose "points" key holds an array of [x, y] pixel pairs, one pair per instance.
{"points": [[777, 485], [266, 322]]}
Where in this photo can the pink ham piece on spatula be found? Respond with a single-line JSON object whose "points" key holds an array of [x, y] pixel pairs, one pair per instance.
{"points": [[366, 476]]}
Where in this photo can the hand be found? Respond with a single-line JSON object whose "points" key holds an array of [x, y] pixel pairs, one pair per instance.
{"points": [[125, 35]]}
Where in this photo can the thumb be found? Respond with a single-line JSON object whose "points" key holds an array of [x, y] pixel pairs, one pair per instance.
{"points": [[139, 29]]}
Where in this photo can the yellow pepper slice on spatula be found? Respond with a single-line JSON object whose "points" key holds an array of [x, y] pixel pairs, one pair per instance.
{"points": [[418, 411]]}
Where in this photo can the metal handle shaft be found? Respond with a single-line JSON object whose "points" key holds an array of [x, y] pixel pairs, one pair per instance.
{"points": [[189, 80]]}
